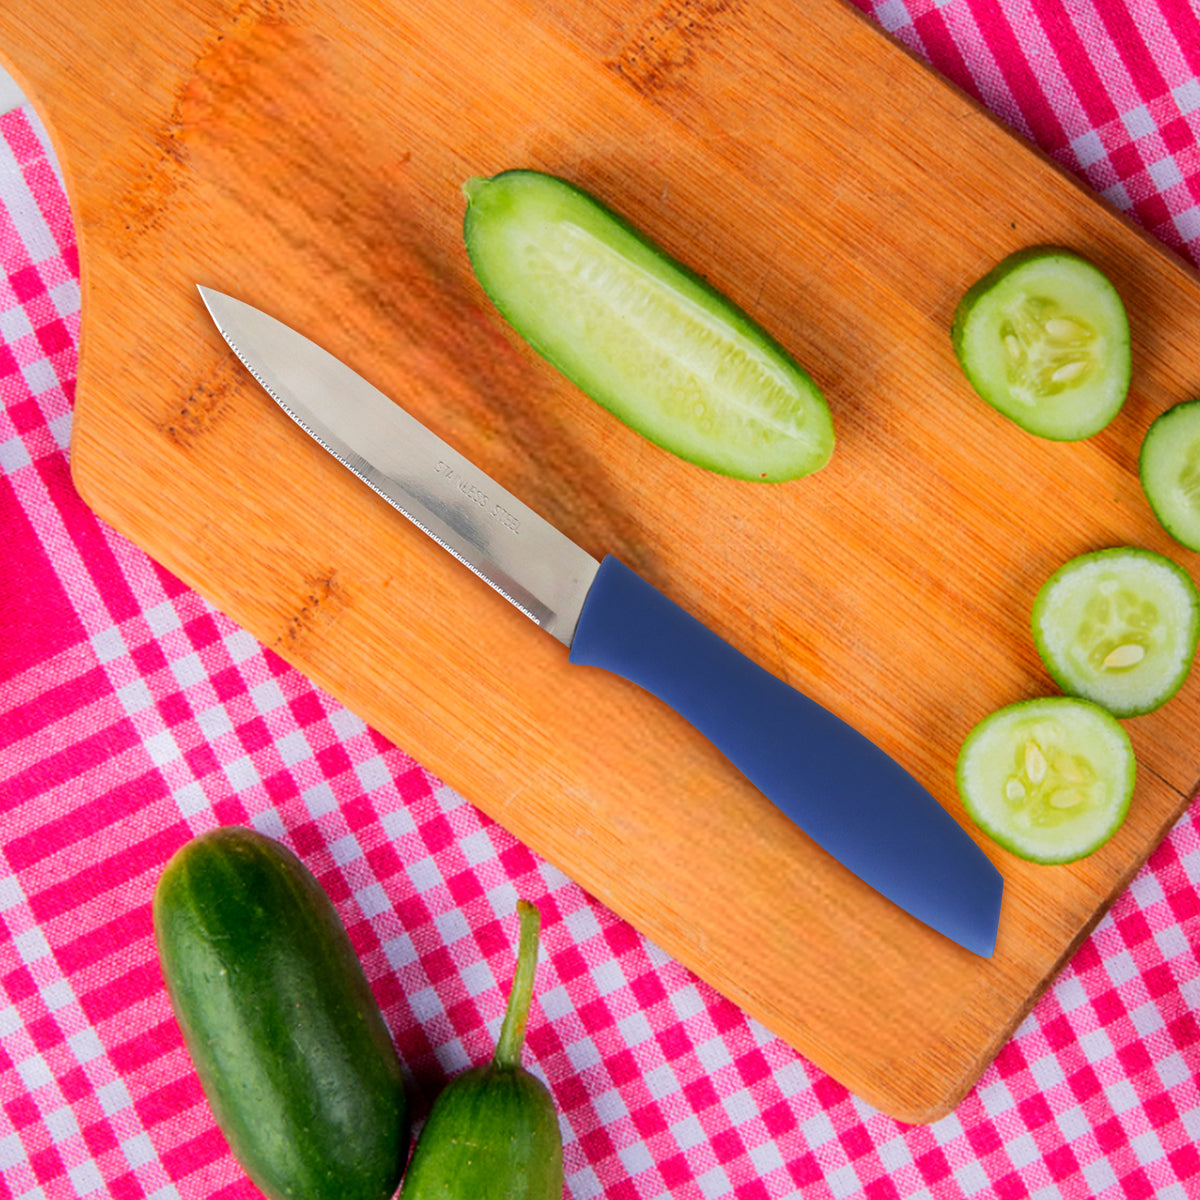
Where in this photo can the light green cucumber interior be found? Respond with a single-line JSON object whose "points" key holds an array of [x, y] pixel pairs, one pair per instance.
{"points": [[1118, 627], [1050, 779], [1170, 471], [640, 334], [1047, 344]]}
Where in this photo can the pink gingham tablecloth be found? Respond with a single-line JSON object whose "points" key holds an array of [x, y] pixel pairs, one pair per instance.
{"points": [[133, 716]]}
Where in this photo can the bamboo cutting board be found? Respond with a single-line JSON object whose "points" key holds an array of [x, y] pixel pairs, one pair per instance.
{"points": [[306, 156]]}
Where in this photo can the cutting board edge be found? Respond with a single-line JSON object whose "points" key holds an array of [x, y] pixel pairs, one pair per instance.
{"points": [[915, 1111], [83, 482], [1167, 254]]}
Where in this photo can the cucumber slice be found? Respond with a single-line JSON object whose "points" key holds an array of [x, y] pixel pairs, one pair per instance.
{"points": [[640, 333], [1049, 779], [1118, 627], [1044, 339], [1169, 465]]}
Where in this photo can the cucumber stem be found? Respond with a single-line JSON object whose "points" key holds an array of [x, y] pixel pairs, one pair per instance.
{"points": [[512, 1032]]}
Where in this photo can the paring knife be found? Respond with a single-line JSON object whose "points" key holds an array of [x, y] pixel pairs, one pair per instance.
{"points": [[849, 796]]}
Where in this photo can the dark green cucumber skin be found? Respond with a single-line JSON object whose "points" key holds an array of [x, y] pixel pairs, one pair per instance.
{"points": [[492, 1135], [288, 1041]]}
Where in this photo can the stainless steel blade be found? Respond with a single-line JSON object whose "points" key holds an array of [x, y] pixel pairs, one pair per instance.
{"points": [[529, 562]]}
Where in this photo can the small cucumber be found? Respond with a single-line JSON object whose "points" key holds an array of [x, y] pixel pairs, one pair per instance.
{"points": [[284, 1032], [1169, 465], [1118, 627], [1043, 337], [641, 334], [1048, 779], [493, 1133]]}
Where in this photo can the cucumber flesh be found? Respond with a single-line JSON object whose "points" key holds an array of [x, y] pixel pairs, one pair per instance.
{"points": [[1044, 339], [1049, 779], [1169, 465], [640, 333], [1118, 627]]}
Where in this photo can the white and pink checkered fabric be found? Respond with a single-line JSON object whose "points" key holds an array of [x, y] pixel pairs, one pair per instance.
{"points": [[132, 716]]}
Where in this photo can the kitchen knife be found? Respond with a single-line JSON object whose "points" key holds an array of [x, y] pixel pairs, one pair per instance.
{"points": [[841, 789]]}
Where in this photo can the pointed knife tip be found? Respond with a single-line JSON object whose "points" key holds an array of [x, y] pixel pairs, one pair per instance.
{"points": [[218, 304], [211, 296]]}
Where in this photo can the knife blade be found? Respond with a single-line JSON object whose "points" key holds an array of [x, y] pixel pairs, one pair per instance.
{"points": [[841, 789]]}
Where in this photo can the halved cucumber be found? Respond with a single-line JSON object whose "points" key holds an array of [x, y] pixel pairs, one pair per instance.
{"points": [[1044, 339], [640, 333], [1169, 465], [1049, 779], [1118, 627]]}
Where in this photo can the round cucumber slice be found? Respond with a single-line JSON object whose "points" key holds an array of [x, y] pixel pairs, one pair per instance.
{"points": [[640, 333], [1118, 627], [1043, 337], [1169, 465], [1049, 779]]}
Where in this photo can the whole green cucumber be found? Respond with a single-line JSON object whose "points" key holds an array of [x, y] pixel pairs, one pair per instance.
{"points": [[290, 1046], [640, 333], [493, 1133]]}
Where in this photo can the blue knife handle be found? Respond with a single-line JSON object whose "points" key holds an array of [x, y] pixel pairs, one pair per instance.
{"points": [[839, 787]]}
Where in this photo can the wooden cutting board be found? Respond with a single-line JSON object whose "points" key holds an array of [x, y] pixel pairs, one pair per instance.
{"points": [[307, 155]]}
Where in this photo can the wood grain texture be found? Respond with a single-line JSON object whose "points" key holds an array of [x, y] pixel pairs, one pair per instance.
{"points": [[307, 155]]}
